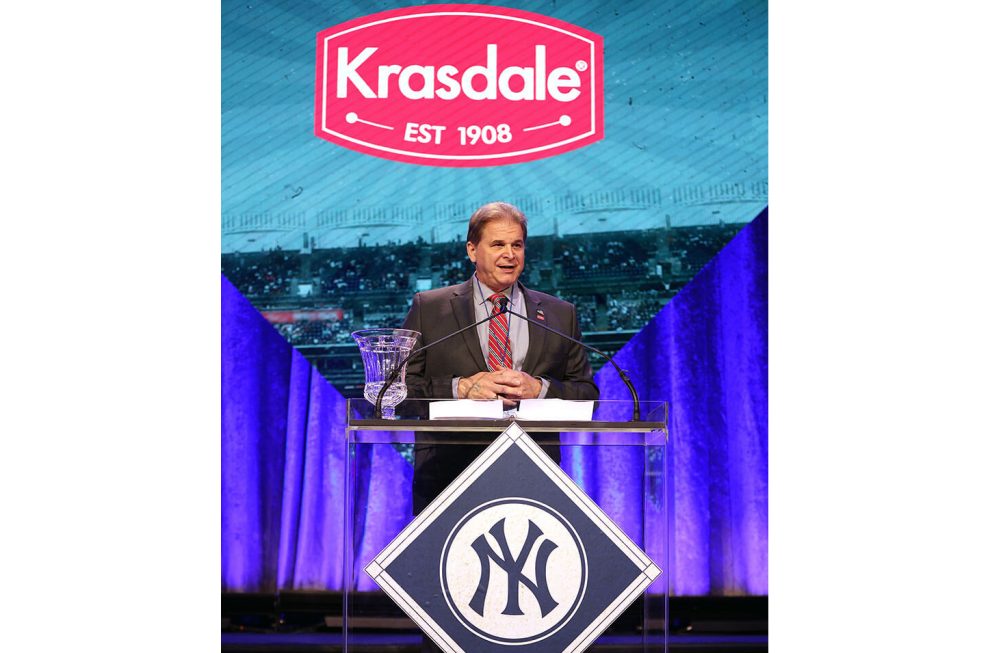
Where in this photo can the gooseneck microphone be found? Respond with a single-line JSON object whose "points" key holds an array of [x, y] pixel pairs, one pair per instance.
{"points": [[503, 309], [622, 372], [398, 368]]}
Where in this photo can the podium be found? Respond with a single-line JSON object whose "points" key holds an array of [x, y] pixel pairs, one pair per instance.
{"points": [[576, 580]]}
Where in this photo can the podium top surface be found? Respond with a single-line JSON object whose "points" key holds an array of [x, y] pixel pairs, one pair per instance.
{"points": [[413, 415]]}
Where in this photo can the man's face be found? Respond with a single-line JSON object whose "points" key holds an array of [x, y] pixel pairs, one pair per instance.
{"points": [[499, 255]]}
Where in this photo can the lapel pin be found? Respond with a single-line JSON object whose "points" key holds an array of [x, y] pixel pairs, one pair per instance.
{"points": [[540, 315]]}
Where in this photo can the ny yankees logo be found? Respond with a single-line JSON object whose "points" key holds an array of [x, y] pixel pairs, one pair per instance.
{"points": [[513, 569], [513, 557]]}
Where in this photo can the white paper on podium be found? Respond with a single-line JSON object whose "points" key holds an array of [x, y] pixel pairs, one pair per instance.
{"points": [[555, 410], [466, 409]]}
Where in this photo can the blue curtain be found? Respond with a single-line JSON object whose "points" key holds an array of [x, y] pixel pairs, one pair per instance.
{"points": [[706, 354], [282, 449]]}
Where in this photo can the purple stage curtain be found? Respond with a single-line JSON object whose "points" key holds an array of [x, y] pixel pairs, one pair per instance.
{"points": [[282, 447], [706, 354], [282, 465]]}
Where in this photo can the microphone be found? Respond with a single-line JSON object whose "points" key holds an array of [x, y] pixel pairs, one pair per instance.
{"points": [[398, 368], [622, 372], [504, 309]]}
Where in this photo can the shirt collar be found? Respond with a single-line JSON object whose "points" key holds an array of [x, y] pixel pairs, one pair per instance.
{"points": [[483, 292]]}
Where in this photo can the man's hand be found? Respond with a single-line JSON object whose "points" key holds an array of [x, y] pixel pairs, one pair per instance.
{"points": [[507, 385]]}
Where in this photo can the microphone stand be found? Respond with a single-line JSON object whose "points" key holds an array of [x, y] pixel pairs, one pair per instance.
{"points": [[622, 372], [398, 368]]}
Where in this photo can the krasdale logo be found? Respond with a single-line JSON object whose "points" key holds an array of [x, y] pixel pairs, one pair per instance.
{"points": [[459, 85]]}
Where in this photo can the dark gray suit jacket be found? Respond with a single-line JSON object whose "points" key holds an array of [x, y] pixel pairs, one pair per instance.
{"points": [[440, 312]]}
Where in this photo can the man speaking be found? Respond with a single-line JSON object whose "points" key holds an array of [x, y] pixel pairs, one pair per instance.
{"points": [[505, 357]]}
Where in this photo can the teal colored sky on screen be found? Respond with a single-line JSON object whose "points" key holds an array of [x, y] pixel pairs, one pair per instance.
{"points": [[685, 133]]}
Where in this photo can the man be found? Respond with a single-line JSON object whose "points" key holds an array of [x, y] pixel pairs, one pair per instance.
{"points": [[508, 358]]}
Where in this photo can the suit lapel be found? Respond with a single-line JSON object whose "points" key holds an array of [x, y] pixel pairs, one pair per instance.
{"points": [[536, 334], [462, 305]]}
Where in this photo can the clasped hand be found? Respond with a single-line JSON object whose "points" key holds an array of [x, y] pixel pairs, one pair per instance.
{"points": [[507, 385]]}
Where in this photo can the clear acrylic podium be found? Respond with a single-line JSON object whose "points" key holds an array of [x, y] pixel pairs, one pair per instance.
{"points": [[621, 464]]}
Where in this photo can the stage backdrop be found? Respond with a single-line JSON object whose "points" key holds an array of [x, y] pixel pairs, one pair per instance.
{"points": [[706, 353]]}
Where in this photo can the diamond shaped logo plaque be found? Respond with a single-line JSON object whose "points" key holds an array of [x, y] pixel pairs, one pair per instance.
{"points": [[513, 556]]}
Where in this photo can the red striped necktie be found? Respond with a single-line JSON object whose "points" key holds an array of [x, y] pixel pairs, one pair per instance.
{"points": [[499, 350]]}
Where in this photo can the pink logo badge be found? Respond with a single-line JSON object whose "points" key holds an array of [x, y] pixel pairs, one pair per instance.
{"points": [[459, 85]]}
